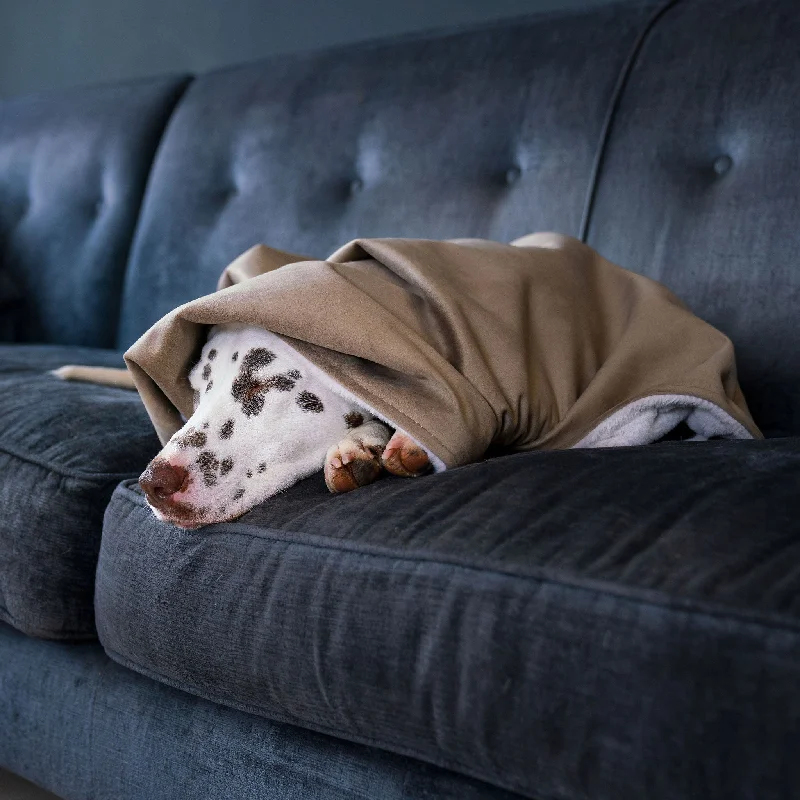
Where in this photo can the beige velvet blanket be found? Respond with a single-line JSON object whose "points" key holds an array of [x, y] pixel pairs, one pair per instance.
{"points": [[470, 345]]}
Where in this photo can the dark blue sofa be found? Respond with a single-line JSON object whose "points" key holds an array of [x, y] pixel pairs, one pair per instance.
{"points": [[601, 625]]}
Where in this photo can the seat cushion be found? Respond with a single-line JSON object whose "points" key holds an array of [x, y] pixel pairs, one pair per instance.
{"points": [[63, 448], [587, 623]]}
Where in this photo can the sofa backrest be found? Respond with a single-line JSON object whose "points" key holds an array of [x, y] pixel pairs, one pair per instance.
{"points": [[73, 167], [488, 133], [699, 183], [664, 132]]}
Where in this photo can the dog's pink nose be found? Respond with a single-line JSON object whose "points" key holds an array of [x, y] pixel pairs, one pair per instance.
{"points": [[161, 479]]}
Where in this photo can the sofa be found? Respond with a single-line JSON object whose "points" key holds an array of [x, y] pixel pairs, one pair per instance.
{"points": [[556, 625]]}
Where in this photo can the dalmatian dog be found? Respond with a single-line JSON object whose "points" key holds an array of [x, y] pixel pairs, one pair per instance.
{"points": [[264, 417]]}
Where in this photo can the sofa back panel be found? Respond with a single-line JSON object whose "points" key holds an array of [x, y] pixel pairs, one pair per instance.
{"points": [[487, 133], [73, 167], [700, 183]]}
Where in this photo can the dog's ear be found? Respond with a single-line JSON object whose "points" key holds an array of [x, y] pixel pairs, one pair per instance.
{"points": [[254, 262]]}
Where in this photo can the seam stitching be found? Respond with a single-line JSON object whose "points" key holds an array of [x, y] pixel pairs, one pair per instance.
{"points": [[616, 99]]}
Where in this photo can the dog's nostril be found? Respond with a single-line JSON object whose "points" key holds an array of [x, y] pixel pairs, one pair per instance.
{"points": [[162, 479]]}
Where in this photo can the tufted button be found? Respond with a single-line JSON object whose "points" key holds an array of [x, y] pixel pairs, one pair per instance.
{"points": [[356, 185], [513, 174], [722, 164], [225, 194], [24, 207]]}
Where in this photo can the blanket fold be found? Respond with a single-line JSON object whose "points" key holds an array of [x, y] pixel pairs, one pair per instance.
{"points": [[469, 345]]}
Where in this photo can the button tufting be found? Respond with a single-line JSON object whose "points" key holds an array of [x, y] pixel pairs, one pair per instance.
{"points": [[513, 174], [722, 164], [356, 185], [24, 207]]}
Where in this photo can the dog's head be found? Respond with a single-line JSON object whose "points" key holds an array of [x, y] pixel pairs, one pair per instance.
{"points": [[263, 419]]}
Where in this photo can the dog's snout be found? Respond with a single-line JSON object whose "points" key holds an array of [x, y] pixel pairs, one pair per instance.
{"points": [[161, 479]]}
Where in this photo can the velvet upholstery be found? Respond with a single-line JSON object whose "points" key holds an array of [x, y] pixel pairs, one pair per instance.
{"points": [[699, 183], [538, 621], [568, 625], [73, 167], [488, 133], [63, 707], [63, 448], [10, 306]]}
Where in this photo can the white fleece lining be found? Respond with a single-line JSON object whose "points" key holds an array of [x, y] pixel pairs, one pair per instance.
{"points": [[648, 419]]}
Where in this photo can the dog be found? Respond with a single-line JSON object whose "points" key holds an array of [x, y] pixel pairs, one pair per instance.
{"points": [[264, 417]]}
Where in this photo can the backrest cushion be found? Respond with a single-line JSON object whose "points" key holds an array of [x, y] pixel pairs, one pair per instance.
{"points": [[489, 133], [700, 183], [73, 167]]}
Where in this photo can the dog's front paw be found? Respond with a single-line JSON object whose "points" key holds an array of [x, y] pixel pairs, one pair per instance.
{"points": [[352, 463], [404, 457]]}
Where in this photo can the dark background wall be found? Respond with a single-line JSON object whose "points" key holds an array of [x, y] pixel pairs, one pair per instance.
{"points": [[49, 44]]}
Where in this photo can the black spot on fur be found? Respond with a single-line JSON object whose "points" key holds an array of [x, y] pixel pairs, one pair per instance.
{"points": [[212, 354], [226, 431], [262, 467], [294, 373], [235, 356], [207, 460], [208, 464], [282, 383], [249, 473], [257, 358], [210, 386], [246, 389], [239, 494], [192, 438], [205, 426], [206, 372], [226, 465], [354, 419], [310, 402]]}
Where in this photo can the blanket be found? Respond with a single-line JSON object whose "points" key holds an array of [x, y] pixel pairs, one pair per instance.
{"points": [[470, 346]]}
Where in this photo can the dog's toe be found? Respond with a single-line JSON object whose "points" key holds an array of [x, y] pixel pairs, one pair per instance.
{"points": [[404, 457], [350, 465]]}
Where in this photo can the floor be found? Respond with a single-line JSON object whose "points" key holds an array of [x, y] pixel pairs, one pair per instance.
{"points": [[15, 788]]}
